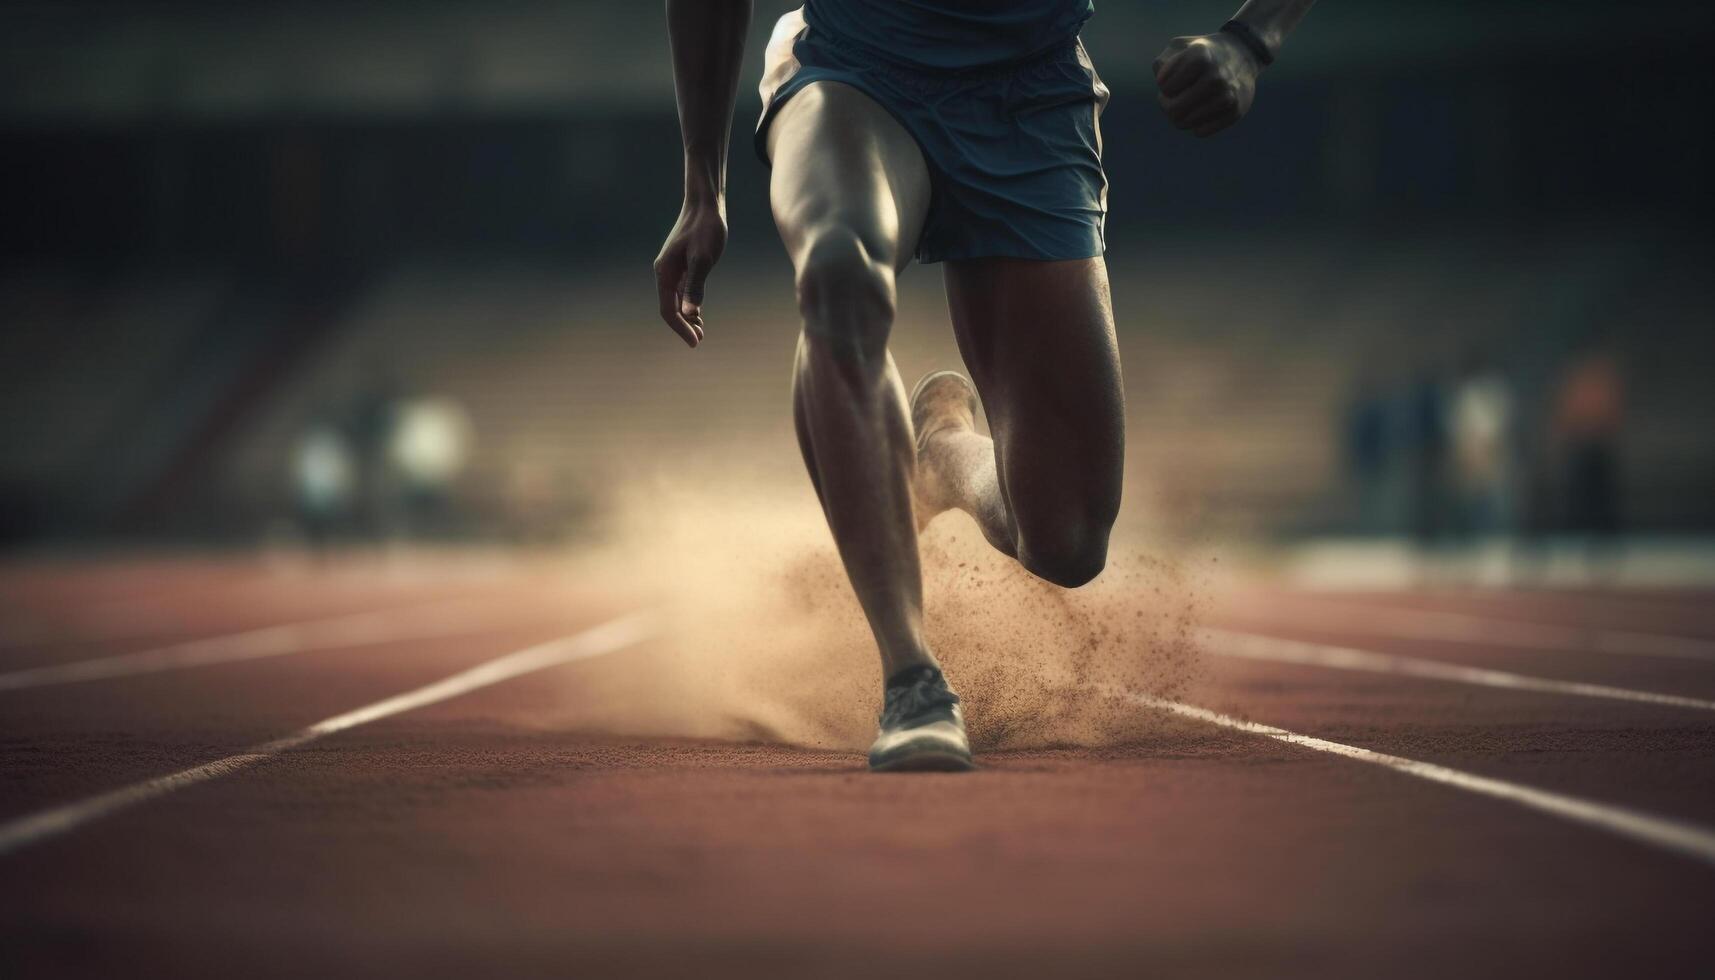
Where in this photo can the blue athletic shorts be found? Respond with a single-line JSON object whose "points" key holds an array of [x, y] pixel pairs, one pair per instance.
{"points": [[1014, 151]]}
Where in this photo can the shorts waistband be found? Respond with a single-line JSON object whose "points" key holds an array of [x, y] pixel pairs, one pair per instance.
{"points": [[1056, 51]]}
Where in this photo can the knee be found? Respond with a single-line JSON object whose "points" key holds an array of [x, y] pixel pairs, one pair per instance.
{"points": [[846, 296], [1067, 559]]}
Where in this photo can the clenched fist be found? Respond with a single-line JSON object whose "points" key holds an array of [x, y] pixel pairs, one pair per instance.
{"points": [[1207, 83]]}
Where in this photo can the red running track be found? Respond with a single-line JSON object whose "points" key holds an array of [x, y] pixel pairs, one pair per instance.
{"points": [[466, 838]]}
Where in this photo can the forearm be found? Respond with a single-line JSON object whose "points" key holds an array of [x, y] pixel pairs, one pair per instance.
{"points": [[707, 38], [1272, 20]]}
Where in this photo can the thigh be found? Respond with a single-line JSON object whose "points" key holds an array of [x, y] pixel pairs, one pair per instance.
{"points": [[1038, 338], [842, 163]]}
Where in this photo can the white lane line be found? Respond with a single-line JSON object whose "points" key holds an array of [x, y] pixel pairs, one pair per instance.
{"points": [[1451, 627], [609, 637], [1253, 646], [1689, 839], [418, 622]]}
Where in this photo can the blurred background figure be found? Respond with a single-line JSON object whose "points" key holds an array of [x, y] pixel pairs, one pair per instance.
{"points": [[1426, 446], [381, 465], [1369, 455], [324, 477], [1483, 433], [429, 445], [371, 425], [1588, 421]]}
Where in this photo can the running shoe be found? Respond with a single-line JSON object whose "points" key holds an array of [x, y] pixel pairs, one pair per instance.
{"points": [[922, 728], [942, 400]]}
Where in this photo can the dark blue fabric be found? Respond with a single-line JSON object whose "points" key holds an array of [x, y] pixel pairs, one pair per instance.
{"points": [[951, 34], [1013, 151]]}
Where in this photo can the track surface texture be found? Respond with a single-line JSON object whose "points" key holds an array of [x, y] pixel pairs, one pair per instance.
{"points": [[491, 833]]}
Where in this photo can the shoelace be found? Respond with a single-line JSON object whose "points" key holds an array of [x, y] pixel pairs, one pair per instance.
{"points": [[923, 695]]}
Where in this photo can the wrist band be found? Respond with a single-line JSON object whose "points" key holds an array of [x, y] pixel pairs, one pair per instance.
{"points": [[1249, 39]]}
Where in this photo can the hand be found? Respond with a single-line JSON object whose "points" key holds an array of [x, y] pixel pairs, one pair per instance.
{"points": [[692, 248], [1207, 83]]}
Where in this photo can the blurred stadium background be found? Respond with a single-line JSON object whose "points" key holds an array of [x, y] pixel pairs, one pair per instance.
{"points": [[290, 271]]}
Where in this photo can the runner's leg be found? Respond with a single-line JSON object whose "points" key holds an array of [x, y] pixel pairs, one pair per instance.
{"points": [[1038, 339], [850, 192]]}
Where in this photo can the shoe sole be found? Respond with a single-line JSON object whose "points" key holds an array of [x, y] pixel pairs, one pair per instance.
{"points": [[924, 382], [927, 760]]}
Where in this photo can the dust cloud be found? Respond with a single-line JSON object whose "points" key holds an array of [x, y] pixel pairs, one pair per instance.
{"points": [[765, 640]]}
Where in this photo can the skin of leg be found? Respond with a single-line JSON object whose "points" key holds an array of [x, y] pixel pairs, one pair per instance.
{"points": [[850, 192], [1038, 339]]}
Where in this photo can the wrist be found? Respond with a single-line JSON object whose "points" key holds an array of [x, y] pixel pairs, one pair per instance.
{"points": [[701, 196], [1251, 41], [705, 180]]}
